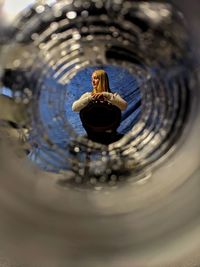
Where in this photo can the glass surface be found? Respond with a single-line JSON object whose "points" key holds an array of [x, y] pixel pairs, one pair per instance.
{"points": [[65, 200]]}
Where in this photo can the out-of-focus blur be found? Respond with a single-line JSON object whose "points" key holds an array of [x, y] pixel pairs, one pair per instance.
{"points": [[10, 9], [66, 201]]}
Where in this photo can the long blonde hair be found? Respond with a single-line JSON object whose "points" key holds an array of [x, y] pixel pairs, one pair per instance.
{"points": [[103, 85]]}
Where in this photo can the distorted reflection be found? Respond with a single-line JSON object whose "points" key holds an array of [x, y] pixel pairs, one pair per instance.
{"points": [[100, 110], [53, 50]]}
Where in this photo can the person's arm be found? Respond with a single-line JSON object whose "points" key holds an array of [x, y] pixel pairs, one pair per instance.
{"points": [[82, 102], [116, 100]]}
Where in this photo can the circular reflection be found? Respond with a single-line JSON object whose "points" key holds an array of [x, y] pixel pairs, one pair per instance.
{"points": [[148, 59]]}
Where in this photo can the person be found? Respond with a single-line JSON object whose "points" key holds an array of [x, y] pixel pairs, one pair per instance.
{"points": [[100, 110], [101, 91]]}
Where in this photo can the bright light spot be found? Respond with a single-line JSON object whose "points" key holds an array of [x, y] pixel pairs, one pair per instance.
{"points": [[39, 9], [71, 15], [76, 36]]}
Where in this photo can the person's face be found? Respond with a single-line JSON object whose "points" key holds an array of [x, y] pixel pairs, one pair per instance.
{"points": [[95, 80]]}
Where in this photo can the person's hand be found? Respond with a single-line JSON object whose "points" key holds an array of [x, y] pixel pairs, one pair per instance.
{"points": [[98, 96]]}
